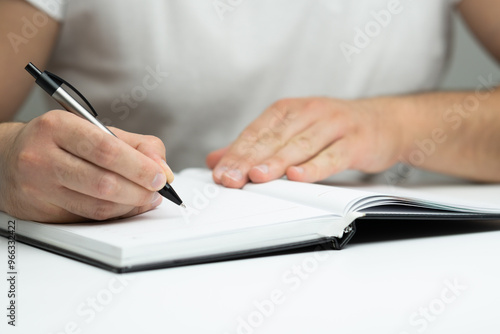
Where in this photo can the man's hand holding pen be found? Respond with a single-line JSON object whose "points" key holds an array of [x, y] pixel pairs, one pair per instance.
{"points": [[61, 168]]}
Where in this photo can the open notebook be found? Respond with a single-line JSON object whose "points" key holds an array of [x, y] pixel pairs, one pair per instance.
{"points": [[222, 223]]}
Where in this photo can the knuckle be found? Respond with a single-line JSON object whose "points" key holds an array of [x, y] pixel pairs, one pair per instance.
{"points": [[94, 210], [248, 136], [27, 160], [241, 163], [232, 163], [76, 207], [101, 211], [282, 113], [345, 119], [268, 137], [335, 160], [247, 158], [48, 121], [26, 189], [332, 158], [146, 171], [106, 152], [314, 105], [107, 185], [246, 145], [303, 144], [282, 104], [155, 142]]}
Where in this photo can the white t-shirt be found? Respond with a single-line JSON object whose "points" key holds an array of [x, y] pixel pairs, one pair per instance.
{"points": [[196, 72]]}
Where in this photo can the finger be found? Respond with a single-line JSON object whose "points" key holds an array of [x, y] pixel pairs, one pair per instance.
{"points": [[86, 141], [88, 207], [334, 159], [150, 146], [83, 177], [214, 157], [299, 149], [260, 140], [139, 210], [73, 207]]}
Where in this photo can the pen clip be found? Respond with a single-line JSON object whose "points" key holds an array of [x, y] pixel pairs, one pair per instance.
{"points": [[61, 81]]}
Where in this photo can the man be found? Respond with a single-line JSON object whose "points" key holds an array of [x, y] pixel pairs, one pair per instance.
{"points": [[193, 73]]}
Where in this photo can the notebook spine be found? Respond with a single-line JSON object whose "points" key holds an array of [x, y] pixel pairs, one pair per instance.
{"points": [[349, 231]]}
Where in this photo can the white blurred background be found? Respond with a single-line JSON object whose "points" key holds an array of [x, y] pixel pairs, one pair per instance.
{"points": [[469, 61]]}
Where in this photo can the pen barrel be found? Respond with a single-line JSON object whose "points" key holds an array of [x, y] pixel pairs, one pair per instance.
{"points": [[71, 105]]}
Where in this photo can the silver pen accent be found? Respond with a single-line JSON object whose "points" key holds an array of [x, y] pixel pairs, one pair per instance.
{"points": [[70, 104]]}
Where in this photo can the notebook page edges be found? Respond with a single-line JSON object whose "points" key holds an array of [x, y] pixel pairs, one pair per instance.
{"points": [[467, 198], [211, 210], [333, 199]]}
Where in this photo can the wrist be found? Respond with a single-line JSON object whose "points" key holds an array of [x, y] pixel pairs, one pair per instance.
{"points": [[8, 134], [394, 114]]}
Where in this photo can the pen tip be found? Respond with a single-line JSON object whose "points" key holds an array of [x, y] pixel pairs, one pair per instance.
{"points": [[183, 206]]}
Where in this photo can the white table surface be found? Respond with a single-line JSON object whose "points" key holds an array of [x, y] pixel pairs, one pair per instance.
{"points": [[375, 285]]}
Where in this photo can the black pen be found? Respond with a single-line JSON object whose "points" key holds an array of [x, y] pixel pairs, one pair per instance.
{"points": [[51, 84]]}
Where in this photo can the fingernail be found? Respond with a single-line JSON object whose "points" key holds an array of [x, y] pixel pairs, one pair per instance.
{"points": [[264, 169], [219, 171], [155, 197], [299, 170], [234, 175], [159, 181]]}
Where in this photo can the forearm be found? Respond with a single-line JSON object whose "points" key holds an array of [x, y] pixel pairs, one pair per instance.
{"points": [[17, 50], [456, 133]]}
